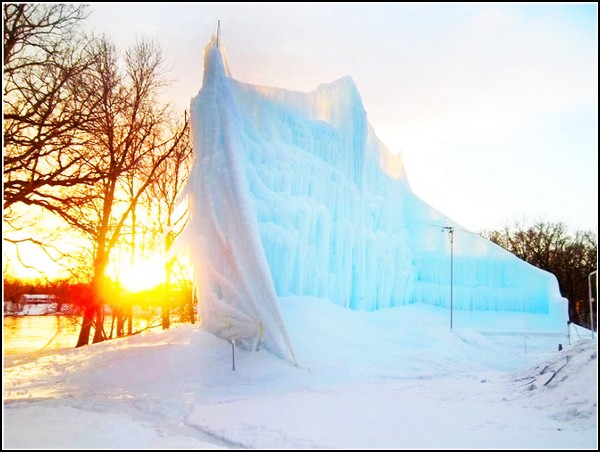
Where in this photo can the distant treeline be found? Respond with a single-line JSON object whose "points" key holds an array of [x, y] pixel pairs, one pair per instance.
{"points": [[74, 298], [571, 257]]}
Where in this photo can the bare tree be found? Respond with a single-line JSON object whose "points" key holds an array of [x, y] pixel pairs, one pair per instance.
{"points": [[163, 197], [30, 238], [129, 136], [46, 61], [84, 133], [549, 246], [127, 132]]}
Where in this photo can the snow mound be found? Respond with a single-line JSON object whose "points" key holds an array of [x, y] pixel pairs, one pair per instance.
{"points": [[565, 386], [383, 386]]}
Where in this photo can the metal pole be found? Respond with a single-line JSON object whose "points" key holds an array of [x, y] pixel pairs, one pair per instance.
{"points": [[218, 35], [233, 354], [592, 299], [451, 232]]}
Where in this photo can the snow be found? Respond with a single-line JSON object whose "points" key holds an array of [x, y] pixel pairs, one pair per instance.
{"points": [[416, 384], [11, 308], [68, 427], [304, 232], [293, 195]]}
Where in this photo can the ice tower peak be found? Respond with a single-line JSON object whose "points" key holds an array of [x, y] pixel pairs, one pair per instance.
{"points": [[344, 83], [215, 63]]}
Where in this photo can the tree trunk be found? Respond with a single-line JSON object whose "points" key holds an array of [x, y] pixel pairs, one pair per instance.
{"points": [[94, 314], [192, 299], [167, 299], [129, 320], [120, 322], [112, 323], [86, 326], [166, 312], [99, 334]]}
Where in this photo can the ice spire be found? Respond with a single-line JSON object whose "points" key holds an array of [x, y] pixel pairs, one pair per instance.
{"points": [[215, 62], [218, 32], [236, 295]]}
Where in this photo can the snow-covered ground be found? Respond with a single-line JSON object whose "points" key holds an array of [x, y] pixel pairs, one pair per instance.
{"points": [[395, 378]]}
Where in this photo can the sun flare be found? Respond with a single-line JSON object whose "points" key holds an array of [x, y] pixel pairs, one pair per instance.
{"points": [[143, 275]]}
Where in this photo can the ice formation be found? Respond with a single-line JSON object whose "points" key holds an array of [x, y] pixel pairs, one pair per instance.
{"points": [[293, 194]]}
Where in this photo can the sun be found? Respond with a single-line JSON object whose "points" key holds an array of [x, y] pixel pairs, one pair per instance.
{"points": [[143, 275]]}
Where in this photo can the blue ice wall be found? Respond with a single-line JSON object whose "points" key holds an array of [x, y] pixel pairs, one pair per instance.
{"points": [[335, 223], [335, 214]]}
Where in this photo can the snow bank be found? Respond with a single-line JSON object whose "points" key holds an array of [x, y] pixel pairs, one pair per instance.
{"points": [[56, 426], [565, 386], [368, 380]]}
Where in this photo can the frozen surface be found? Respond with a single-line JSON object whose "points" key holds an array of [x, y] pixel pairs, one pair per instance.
{"points": [[292, 194], [417, 385], [11, 308]]}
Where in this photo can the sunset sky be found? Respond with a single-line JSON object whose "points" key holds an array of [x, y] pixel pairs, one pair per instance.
{"points": [[493, 107]]}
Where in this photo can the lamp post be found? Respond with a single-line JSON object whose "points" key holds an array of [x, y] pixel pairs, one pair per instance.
{"points": [[595, 272], [450, 230]]}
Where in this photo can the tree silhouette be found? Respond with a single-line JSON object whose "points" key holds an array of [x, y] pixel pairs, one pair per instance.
{"points": [[549, 246], [163, 199], [130, 140], [85, 136], [46, 64]]}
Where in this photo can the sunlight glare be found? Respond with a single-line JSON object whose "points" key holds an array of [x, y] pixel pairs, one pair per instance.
{"points": [[144, 275]]}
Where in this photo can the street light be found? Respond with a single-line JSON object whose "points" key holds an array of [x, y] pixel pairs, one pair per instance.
{"points": [[450, 230], [592, 299]]}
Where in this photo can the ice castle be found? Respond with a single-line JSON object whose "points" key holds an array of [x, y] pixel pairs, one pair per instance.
{"points": [[293, 194]]}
